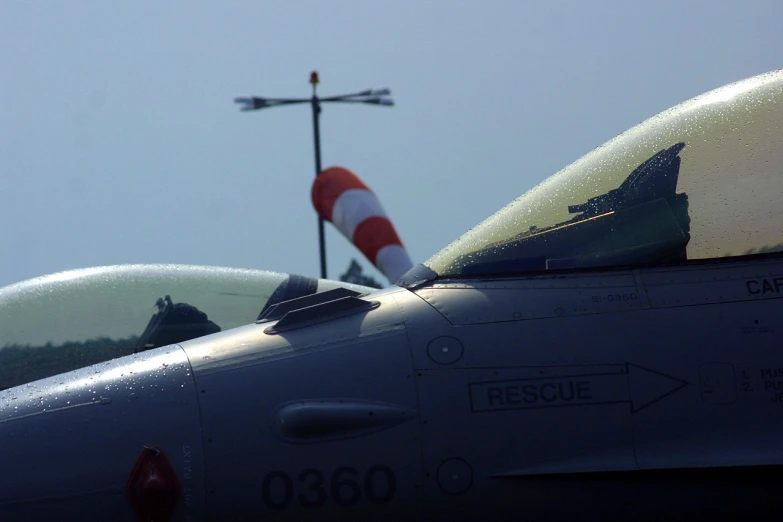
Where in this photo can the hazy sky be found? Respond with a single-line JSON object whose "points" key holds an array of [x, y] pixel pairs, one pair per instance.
{"points": [[119, 141]]}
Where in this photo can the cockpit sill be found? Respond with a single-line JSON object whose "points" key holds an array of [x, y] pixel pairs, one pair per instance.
{"points": [[421, 276]]}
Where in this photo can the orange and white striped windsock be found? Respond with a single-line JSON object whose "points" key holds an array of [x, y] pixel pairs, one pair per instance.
{"points": [[341, 197]]}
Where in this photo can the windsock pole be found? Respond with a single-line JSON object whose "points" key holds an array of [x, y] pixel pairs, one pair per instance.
{"points": [[317, 143]]}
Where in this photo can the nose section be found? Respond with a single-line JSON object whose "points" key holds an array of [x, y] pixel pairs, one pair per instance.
{"points": [[117, 441]]}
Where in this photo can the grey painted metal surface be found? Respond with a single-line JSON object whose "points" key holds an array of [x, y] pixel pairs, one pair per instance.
{"points": [[405, 411], [346, 465], [70, 442], [692, 383]]}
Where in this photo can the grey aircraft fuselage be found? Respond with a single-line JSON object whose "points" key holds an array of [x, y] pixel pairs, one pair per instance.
{"points": [[600, 394]]}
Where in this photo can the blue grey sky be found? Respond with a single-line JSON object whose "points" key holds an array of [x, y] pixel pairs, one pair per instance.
{"points": [[119, 141]]}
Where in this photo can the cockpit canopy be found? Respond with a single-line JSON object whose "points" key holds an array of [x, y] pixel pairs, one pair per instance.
{"points": [[701, 180], [60, 322]]}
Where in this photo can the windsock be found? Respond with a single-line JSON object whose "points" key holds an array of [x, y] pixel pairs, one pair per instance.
{"points": [[341, 197]]}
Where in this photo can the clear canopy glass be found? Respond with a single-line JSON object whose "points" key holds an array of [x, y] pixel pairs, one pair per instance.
{"points": [[60, 322], [701, 180]]}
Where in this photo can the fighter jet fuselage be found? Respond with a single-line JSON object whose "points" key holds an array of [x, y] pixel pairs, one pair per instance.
{"points": [[598, 395]]}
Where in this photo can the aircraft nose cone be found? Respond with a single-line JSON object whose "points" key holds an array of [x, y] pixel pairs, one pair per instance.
{"points": [[89, 444]]}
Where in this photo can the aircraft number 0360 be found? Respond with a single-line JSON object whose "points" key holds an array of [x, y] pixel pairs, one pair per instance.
{"points": [[615, 297], [312, 488]]}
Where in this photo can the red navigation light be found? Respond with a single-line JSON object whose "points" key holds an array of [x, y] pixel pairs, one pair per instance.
{"points": [[152, 488], [314, 77]]}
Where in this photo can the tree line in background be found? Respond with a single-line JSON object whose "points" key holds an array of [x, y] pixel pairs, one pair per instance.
{"points": [[23, 364]]}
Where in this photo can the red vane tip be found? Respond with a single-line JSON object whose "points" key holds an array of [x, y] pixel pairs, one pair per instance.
{"points": [[314, 77]]}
